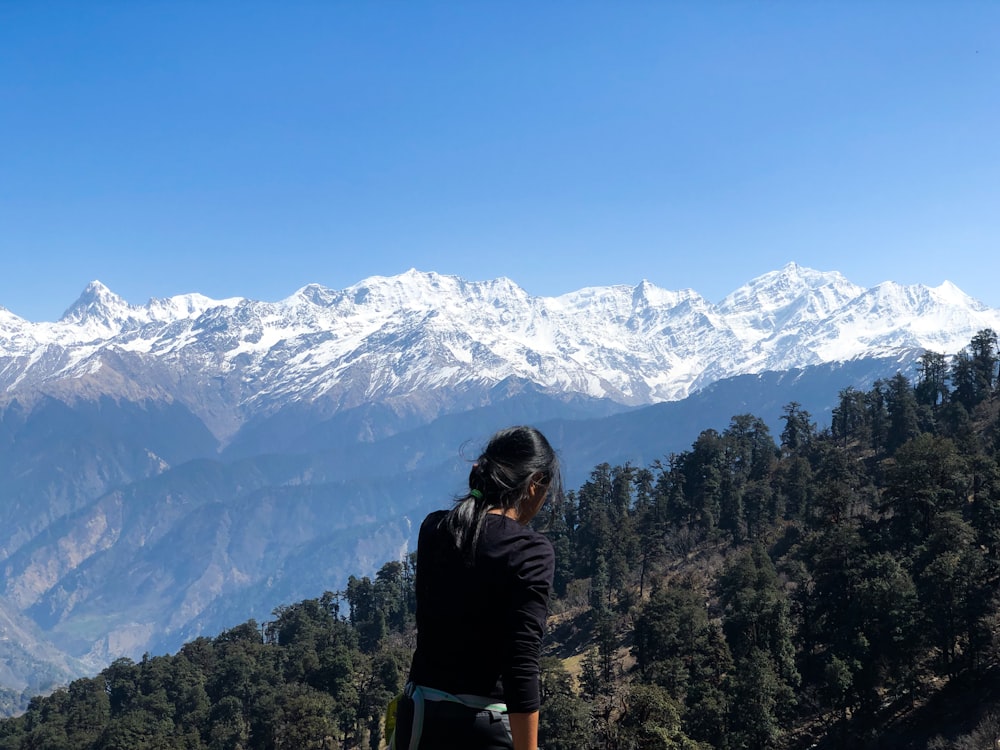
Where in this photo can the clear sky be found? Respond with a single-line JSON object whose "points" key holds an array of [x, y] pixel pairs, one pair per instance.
{"points": [[248, 148]]}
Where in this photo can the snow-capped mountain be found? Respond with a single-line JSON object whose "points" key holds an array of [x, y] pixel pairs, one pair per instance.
{"points": [[387, 338], [174, 468]]}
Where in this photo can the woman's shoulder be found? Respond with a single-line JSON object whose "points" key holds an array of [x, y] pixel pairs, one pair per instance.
{"points": [[431, 525], [526, 554], [433, 518], [507, 534]]}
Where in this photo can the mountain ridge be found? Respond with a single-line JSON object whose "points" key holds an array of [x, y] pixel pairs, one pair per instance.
{"points": [[172, 468], [386, 338]]}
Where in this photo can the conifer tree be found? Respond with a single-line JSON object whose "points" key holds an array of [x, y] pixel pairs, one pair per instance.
{"points": [[932, 379], [901, 404]]}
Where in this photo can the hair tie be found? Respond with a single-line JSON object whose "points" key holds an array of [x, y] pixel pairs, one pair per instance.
{"points": [[476, 494]]}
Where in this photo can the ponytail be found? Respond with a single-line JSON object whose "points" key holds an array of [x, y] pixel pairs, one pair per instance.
{"points": [[500, 478]]}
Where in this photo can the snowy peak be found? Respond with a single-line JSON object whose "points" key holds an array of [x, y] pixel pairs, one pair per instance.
{"points": [[420, 290], [430, 337], [915, 300], [97, 306], [183, 306], [646, 294], [948, 293], [313, 294], [778, 289], [787, 300], [10, 320], [98, 309]]}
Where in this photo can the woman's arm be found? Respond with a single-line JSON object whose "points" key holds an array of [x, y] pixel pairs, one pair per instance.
{"points": [[533, 574], [524, 729]]}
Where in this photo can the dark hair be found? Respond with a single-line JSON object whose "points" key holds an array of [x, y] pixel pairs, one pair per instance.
{"points": [[512, 461]]}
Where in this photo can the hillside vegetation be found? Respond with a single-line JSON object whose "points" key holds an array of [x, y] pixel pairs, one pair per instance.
{"points": [[816, 589]]}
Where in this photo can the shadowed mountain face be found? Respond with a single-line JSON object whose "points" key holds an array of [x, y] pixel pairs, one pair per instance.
{"points": [[124, 552], [173, 469]]}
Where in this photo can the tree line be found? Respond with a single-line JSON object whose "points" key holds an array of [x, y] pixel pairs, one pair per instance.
{"points": [[319, 675], [818, 588]]}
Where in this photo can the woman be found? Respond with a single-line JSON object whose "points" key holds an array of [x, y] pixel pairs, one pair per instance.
{"points": [[482, 581]]}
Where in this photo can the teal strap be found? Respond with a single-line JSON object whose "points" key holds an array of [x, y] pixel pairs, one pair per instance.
{"points": [[419, 694], [472, 701]]}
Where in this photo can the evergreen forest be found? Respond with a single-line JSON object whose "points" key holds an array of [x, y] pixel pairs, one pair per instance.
{"points": [[819, 588]]}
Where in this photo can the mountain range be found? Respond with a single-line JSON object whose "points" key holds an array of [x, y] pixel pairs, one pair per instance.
{"points": [[174, 468]]}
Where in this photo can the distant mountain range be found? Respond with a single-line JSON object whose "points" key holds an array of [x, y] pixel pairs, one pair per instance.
{"points": [[424, 344], [177, 467]]}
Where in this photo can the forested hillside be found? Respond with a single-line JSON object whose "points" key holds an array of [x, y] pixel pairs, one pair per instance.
{"points": [[819, 588]]}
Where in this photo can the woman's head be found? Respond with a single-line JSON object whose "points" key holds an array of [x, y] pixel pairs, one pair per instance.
{"points": [[515, 472]]}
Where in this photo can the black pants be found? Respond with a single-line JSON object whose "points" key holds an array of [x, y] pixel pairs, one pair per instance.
{"points": [[452, 726]]}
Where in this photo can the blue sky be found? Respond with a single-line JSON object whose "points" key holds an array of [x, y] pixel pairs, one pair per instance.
{"points": [[249, 148]]}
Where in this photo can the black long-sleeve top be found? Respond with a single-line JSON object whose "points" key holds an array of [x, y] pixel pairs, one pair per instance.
{"points": [[480, 625]]}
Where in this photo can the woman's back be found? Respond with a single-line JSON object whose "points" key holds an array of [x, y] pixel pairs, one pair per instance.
{"points": [[479, 626], [483, 580]]}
